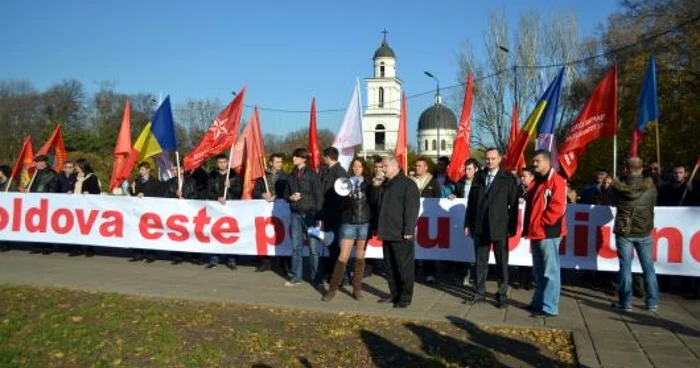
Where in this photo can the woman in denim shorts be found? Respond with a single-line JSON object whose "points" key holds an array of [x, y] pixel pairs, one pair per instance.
{"points": [[354, 231]]}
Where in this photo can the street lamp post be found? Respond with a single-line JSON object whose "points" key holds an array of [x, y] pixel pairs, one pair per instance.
{"points": [[437, 109], [515, 75]]}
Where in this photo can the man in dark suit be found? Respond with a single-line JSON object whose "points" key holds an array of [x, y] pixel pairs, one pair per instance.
{"points": [[492, 217]]}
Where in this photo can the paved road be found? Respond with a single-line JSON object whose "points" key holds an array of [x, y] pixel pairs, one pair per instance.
{"points": [[603, 338]]}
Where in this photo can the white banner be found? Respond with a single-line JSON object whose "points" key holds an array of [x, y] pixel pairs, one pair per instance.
{"points": [[259, 228]]}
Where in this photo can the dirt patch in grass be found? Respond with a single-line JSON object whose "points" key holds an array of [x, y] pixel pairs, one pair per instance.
{"points": [[46, 327]]}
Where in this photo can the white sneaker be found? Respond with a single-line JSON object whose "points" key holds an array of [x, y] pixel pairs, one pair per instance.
{"points": [[466, 281], [292, 283]]}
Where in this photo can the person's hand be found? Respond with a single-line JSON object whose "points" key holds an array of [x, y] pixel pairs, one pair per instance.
{"points": [[319, 224], [133, 186], [140, 195], [451, 197], [408, 237], [221, 200], [179, 193], [228, 184], [466, 231]]}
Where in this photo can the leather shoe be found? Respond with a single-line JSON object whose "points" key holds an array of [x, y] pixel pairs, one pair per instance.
{"points": [[501, 303], [403, 304], [475, 299], [389, 299]]}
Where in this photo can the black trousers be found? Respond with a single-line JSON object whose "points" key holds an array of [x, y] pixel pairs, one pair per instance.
{"points": [[482, 247], [399, 261]]}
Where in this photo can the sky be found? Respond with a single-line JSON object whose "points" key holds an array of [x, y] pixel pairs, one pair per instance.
{"points": [[286, 52]]}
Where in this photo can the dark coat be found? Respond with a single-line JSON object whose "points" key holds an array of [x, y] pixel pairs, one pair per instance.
{"points": [[670, 195], [13, 186], [189, 188], [306, 183], [399, 204], [201, 179], [67, 183], [330, 214], [355, 207], [277, 183], [217, 185], [46, 181], [493, 212], [635, 197], [431, 190], [149, 188], [91, 185]]}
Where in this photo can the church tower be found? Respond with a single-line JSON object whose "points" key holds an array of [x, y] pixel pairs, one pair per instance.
{"points": [[381, 119]]}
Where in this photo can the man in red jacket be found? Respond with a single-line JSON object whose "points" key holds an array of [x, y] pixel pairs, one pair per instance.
{"points": [[545, 225]]}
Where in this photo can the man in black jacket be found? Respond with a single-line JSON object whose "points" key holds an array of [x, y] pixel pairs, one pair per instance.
{"points": [[670, 194], [305, 196], [329, 215], [234, 190], [428, 187], [492, 218], [634, 196], [173, 189], [146, 185], [67, 179], [398, 204], [46, 180], [461, 189], [276, 182]]}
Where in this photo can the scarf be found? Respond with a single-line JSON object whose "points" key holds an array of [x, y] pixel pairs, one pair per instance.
{"points": [[79, 183]]}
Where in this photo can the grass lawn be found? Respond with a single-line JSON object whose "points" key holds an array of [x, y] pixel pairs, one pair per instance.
{"points": [[47, 327]]}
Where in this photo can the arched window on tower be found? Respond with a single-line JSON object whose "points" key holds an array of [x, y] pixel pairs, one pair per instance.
{"points": [[434, 145], [379, 137], [381, 70], [443, 145], [426, 145], [381, 97]]}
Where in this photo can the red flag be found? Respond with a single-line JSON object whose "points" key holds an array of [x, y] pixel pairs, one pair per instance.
{"points": [[55, 149], [460, 151], [513, 137], [401, 152], [24, 166], [123, 147], [220, 135], [254, 156], [314, 150], [598, 118]]}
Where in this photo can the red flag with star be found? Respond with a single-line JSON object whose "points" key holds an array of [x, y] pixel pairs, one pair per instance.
{"points": [[460, 153], [221, 134]]}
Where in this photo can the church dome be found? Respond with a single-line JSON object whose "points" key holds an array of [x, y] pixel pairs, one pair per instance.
{"points": [[384, 51], [437, 116]]}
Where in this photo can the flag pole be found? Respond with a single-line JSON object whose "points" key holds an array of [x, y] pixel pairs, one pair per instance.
{"points": [[9, 182], [228, 173], [359, 96], [179, 179], [658, 144], [267, 187], [29, 187], [615, 155], [685, 192]]}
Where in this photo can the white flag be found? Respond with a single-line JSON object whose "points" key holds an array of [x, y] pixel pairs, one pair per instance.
{"points": [[350, 132]]}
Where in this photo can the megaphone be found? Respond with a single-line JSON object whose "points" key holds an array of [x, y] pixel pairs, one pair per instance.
{"points": [[326, 237], [343, 186]]}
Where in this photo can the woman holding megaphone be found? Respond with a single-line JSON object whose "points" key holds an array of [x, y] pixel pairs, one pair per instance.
{"points": [[354, 228]]}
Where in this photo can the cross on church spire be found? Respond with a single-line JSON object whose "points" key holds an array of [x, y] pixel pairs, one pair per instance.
{"points": [[385, 33]]}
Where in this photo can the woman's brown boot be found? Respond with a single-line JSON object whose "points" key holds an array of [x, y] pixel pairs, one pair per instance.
{"points": [[357, 276], [336, 278]]}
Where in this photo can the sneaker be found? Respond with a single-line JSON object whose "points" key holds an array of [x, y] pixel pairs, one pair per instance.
{"points": [[466, 282], [430, 279], [618, 307], [292, 283], [652, 308]]}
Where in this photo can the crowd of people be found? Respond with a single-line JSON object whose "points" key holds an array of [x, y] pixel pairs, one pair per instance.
{"points": [[385, 203]]}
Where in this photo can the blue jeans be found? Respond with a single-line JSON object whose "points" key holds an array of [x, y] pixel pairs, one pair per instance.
{"points": [[643, 246], [546, 270], [300, 222]]}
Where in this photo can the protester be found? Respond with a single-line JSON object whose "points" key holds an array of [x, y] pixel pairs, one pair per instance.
{"points": [[66, 179], [86, 182], [670, 194], [634, 196], [181, 186], [461, 190], [590, 191], [330, 217], [45, 180], [656, 173], [398, 204], [305, 196], [571, 195], [527, 177], [524, 275], [373, 192], [492, 218], [221, 190], [354, 231], [146, 185], [441, 172], [270, 188], [603, 198], [545, 224], [428, 187], [5, 172]]}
